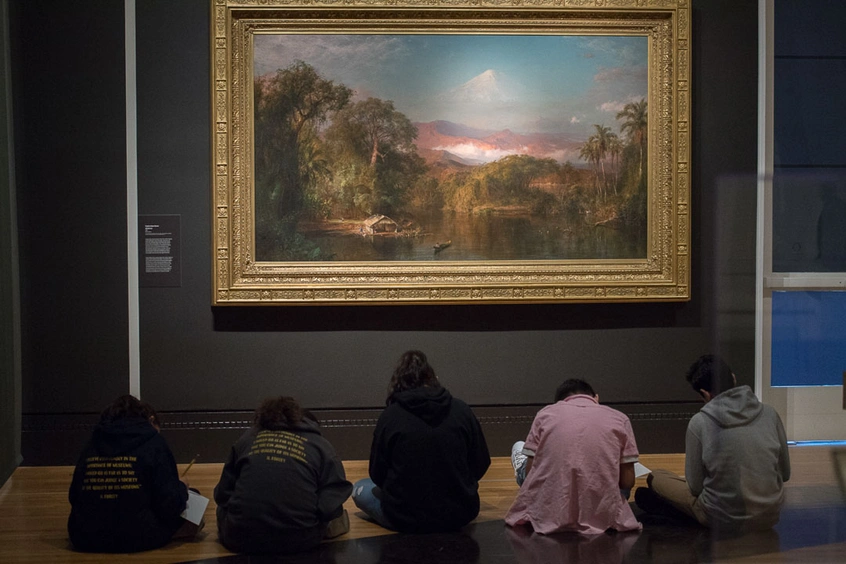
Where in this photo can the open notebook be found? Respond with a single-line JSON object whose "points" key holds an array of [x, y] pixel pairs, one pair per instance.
{"points": [[195, 507]]}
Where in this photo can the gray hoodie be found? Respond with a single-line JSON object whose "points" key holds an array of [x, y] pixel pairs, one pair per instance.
{"points": [[736, 461]]}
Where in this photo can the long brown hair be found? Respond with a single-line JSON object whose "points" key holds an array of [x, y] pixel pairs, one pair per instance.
{"points": [[129, 406], [413, 371], [278, 413]]}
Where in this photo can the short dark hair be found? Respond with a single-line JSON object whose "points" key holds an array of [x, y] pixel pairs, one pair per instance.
{"points": [[412, 371], [710, 373], [129, 406], [277, 413], [573, 387]]}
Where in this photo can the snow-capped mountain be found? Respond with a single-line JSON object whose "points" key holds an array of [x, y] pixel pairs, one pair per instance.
{"points": [[490, 86]]}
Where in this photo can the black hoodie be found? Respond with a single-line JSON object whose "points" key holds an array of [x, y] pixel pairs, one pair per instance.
{"points": [[126, 495], [428, 456], [279, 489]]}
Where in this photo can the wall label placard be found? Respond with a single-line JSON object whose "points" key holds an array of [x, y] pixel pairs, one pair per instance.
{"points": [[159, 251]]}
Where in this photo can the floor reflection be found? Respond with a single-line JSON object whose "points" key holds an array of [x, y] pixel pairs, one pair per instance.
{"points": [[812, 518], [599, 549]]}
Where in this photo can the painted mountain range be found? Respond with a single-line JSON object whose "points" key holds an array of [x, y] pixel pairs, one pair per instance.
{"points": [[445, 140]]}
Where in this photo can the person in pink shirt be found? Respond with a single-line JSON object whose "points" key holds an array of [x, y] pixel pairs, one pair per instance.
{"points": [[575, 467]]}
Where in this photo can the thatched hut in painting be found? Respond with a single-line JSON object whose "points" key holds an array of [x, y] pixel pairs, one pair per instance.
{"points": [[380, 224]]}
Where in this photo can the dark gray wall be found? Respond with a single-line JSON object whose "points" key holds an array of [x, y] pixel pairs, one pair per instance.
{"points": [[68, 65], [10, 371], [198, 362]]}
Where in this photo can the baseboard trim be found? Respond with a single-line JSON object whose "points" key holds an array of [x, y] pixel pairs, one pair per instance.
{"points": [[56, 439]]}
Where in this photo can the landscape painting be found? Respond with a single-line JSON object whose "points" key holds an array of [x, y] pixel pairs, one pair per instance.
{"points": [[388, 147], [456, 152]]}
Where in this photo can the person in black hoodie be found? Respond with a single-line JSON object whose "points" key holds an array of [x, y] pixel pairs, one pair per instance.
{"points": [[283, 488], [126, 495], [427, 457]]}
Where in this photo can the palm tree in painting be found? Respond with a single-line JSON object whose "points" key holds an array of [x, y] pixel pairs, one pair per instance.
{"points": [[604, 139], [615, 149], [589, 152], [635, 125]]}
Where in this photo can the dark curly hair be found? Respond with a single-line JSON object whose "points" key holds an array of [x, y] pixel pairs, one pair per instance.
{"points": [[129, 406], [279, 413], [710, 373], [413, 371]]}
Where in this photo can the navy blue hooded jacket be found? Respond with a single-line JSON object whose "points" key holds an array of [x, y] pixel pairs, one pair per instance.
{"points": [[126, 495]]}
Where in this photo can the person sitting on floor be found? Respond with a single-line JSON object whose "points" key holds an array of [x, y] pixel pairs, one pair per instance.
{"points": [[736, 458], [283, 487], [427, 457], [126, 495], [578, 458]]}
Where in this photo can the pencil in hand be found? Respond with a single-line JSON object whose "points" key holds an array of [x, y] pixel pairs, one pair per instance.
{"points": [[190, 464]]}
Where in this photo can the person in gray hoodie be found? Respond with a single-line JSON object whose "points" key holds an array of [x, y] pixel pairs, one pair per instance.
{"points": [[736, 458]]}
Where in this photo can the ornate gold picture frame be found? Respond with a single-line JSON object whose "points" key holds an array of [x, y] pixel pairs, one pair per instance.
{"points": [[414, 152]]}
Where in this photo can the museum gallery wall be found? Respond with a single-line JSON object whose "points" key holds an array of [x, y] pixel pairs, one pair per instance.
{"points": [[206, 368]]}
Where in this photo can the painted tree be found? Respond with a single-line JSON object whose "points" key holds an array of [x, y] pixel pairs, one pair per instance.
{"points": [[375, 142], [604, 139], [635, 127], [382, 125], [589, 152], [290, 107], [615, 150]]}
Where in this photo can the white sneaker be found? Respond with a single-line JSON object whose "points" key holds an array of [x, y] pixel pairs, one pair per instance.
{"points": [[518, 459]]}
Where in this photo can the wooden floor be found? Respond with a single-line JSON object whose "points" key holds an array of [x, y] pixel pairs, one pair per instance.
{"points": [[34, 510]]}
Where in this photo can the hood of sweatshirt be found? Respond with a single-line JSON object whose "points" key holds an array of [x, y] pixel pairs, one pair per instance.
{"points": [[733, 408], [429, 404], [307, 425], [121, 436]]}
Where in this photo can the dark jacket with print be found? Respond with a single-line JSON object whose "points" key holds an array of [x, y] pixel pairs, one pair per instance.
{"points": [[279, 489], [428, 456], [126, 495]]}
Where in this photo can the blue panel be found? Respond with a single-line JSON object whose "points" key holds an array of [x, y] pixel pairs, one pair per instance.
{"points": [[810, 28], [808, 338], [808, 112]]}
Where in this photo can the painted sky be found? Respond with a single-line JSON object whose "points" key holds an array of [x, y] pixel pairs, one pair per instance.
{"points": [[529, 84]]}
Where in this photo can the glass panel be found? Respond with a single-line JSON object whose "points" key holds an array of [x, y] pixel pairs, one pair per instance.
{"points": [[808, 338], [809, 28], [809, 220]]}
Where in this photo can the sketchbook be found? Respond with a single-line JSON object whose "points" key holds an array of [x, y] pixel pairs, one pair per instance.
{"points": [[641, 470], [195, 507]]}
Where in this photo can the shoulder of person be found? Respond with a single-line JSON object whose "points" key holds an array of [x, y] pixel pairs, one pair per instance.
{"points": [[770, 412], [459, 403], [158, 441], [614, 412], [697, 420]]}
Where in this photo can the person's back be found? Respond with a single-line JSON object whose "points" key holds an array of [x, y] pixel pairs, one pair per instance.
{"points": [[282, 484], [577, 448], [427, 456], [736, 460], [427, 468], [126, 495]]}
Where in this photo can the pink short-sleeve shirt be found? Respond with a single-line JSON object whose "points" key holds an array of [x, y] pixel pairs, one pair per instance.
{"points": [[573, 485]]}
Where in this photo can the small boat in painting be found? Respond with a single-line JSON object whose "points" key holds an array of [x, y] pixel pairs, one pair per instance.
{"points": [[441, 246]]}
